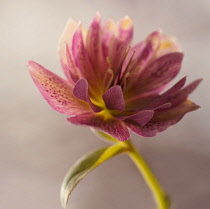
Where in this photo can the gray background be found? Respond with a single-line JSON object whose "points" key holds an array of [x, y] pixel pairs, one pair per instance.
{"points": [[38, 146]]}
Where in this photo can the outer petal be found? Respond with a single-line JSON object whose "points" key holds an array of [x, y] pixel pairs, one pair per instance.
{"points": [[113, 127], [113, 99], [160, 72], [56, 91], [182, 95], [66, 42], [162, 119]]}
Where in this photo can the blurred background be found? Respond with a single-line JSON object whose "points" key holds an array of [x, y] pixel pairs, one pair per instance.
{"points": [[38, 146]]}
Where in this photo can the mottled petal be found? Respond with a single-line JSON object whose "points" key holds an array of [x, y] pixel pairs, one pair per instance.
{"points": [[113, 99], [66, 39], [81, 92], [82, 61], [56, 91], [161, 71], [113, 127], [94, 47], [162, 119]]}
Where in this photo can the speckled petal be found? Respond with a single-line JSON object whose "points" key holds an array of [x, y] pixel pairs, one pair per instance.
{"points": [[56, 91], [113, 127], [113, 99], [160, 72], [94, 47]]}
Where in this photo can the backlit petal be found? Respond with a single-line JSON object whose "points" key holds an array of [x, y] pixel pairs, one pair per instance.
{"points": [[66, 40]]}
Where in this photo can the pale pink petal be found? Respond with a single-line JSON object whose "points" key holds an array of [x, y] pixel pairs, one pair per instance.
{"points": [[113, 99], [56, 91], [162, 119], [81, 92], [66, 40], [168, 45], [108, 33], [72, 70], [125, 30], [113, 127]]}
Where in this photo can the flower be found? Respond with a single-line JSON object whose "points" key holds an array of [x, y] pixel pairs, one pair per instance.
{"points": [[112, 86]]}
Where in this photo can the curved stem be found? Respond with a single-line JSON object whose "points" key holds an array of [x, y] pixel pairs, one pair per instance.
{"points": [[161, 198]]}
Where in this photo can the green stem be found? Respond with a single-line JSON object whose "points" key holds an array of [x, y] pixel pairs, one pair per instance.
{"points": [[161, 199]]}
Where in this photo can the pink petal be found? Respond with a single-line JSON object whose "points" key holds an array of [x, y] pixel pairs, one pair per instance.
{"points": [[56, 91], [113, 127], [113, 99], [108, 32], [66, 40], [182, 95], [162, 119], [116, 41], [94, 46], [125, 30], [161, 71], [81, 92], [82, 61], [71, 69], [141, 117], [141, 55]]}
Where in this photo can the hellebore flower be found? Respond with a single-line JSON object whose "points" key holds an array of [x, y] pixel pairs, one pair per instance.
{"points": [[112, 86]]}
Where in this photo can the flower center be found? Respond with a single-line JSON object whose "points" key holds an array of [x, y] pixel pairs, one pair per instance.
{"points": [[120, 75]]}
